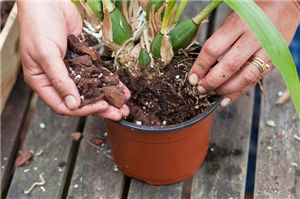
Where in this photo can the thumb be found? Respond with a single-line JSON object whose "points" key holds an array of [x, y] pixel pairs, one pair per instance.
{"points": [[57, 73]]}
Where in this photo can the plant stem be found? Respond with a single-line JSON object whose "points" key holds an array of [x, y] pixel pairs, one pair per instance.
{"points": [[165, 22], [108, 5], [203, 14], [179, 11]]}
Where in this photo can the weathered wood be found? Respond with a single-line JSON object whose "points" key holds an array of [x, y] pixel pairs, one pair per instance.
{"points": [[223, 174], [139, 190], [51, 133], [192, 8], [278, 153], [11, 121], [94, 175], [10, 56]]}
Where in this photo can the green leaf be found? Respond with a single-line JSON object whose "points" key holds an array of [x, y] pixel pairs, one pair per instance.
{"points": [[272, 42], [96, 7], [144, 58]]}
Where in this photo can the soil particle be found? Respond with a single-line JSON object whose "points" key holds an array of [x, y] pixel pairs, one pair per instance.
{"points": [[94, 82], [23, 158], [97, 141], [215, 152], [76, 136], [61, 164]]}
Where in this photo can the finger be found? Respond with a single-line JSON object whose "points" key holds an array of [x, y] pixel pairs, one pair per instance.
{"points": [[50, 96], [110, 113], [213, 48], [124, 110], [57, 73], [228, 99], [240, 52], [249, 75], [124, 89]]}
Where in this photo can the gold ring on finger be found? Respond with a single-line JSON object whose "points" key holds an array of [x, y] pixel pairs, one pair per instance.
{"points": [[259, 63]]}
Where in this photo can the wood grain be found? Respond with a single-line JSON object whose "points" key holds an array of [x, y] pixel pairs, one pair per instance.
{"points": [[223, 174], [11, 120], [94, 175], [50, 132], [139, 190], [10, 55], [278, 153]]}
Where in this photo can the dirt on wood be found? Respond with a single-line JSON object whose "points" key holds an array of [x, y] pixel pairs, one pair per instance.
{"points": [[23, 159]]}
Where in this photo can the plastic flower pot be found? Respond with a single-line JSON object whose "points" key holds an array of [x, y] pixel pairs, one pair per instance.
{"points": [[161, 156]]}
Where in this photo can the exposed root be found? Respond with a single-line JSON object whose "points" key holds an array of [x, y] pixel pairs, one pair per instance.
{"points": [[263, 92], [42, 182]]}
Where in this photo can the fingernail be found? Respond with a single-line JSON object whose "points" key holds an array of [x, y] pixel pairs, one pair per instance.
{"points": [[70, 102], [225, 101], [201, 89], [193, 79]]}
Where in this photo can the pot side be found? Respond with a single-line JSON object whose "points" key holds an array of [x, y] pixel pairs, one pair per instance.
{"points": [[160, 158]]}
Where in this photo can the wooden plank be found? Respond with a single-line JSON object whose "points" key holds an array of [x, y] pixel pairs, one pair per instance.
{"points": [[192, 8], [223, 174], [140, 189], [94, 175], [50, 132], [10, 55], [278, 157], [11, 121]]}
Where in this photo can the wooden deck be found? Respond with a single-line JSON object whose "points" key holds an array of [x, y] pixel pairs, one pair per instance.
{"points": [[79, 169]]}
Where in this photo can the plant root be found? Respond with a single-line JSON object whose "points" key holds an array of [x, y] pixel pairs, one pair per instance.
{"points": [[42, 182]]}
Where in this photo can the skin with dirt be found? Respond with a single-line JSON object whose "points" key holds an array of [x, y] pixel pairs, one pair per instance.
{"points": [[159, 97], [5, 7]]}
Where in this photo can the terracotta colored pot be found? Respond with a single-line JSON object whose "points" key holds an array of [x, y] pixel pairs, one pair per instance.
{"points": [[161, 156]]}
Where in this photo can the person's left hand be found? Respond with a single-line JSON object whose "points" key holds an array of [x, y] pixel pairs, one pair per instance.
{"points": [[232, 76]]}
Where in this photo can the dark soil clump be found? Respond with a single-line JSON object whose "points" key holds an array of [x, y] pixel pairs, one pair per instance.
{"points": [[94, 82], [5, 7], [165, 98]]}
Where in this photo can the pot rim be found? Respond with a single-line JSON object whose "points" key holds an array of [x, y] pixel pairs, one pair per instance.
{"points": [[174, 127]]}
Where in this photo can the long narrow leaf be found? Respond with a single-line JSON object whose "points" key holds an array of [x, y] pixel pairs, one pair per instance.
{"points": [[272, 42]]}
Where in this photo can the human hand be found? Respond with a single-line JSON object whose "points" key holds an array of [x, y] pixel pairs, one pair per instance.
{"points": [[232, 76], [44, 27]]}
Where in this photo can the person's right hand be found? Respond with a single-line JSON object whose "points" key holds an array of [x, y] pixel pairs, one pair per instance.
{"points": [[44, 27]]}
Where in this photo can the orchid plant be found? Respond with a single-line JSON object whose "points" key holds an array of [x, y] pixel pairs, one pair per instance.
{"points": [[143, 33]]}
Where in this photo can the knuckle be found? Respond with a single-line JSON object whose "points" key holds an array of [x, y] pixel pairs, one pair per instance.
{"points": [[208, 84], [251, 78], [43, 54], [58, 84], [231, 64], [211, 48], [199, 69]]}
